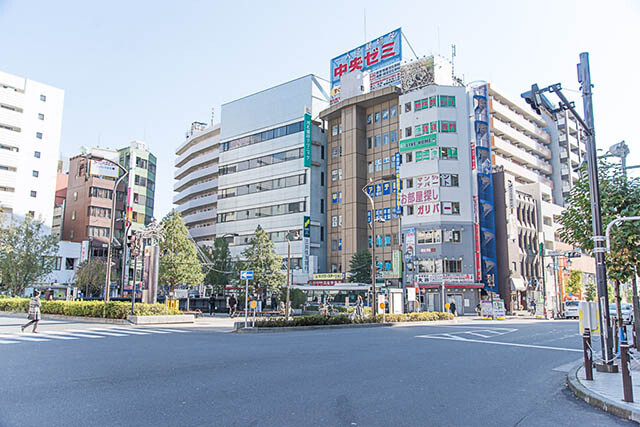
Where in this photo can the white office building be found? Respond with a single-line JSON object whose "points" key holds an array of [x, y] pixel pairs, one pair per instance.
{"points": [[196, 184], [265, 179], [30, 127]]}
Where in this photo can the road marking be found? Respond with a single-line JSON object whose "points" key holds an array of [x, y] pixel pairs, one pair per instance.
{"points": [[129, 331], [82, 333], [477, 334], [102, 332], [453, 337], [156, 331], [499, 343], [8, 342], [172, 330], [22, 338], [58, 336]]}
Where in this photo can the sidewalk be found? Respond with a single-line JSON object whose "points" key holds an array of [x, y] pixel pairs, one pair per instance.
{"points": [[605, 391]]}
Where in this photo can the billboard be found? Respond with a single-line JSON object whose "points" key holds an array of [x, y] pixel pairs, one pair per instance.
{"points": [[380, 57], [307, 139], [103, 167]]}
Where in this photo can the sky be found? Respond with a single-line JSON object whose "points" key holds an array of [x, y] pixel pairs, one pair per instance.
{"points": [[146, 69]]}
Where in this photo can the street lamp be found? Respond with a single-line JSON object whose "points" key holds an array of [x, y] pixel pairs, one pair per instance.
{"points": [[89, 157], [373, 236]]}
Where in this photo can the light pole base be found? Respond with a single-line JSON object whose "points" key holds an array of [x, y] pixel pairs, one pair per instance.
{"points": [[603, 367]]}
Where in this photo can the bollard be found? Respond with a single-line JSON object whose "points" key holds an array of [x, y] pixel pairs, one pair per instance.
{"points": [[588, 354], [625, 363]]}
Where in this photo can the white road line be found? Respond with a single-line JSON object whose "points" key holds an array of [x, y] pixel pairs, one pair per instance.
{"points": [[173, 330], [8, 342], [82, 334], [58, 336], [477, 334], [500, 343], [22, 338], [156, 331], [129, 331], [452, 337], [100, 332]]}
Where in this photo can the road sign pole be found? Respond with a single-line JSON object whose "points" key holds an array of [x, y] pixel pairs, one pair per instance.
{"points": [[246, 303]]}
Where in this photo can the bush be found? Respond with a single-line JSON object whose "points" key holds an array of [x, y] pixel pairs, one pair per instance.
{"points": [[110, 310], [343, 319]]}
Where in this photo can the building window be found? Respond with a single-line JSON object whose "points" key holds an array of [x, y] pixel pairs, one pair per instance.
{"points": [[334, 130], [68, 263], [334, 245], [448, 153], [75, 196], [321, 233], [378, 116], [378, 165], [407, 132], [449, 180], [93, 231], [408, 158], [408, 183], [378, 141], [71, 234], [334, 175], [370, 167], [321, 205], [40, 116], [452, 236], [334, 221], [407, 107], [39, 135], [34, 193], [369, 142], [73, 216], [35, 173], [453, 266], [385, 139], [450, 208], [394, 136], [339, 220], [340, 128], [385, 114], [36, 154], [394, 110], [43, 98], [386, 163], [369, 119], [322, 152]]}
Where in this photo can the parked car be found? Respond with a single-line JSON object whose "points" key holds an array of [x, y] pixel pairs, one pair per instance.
{"points": [[571, 309], [627, 312]]}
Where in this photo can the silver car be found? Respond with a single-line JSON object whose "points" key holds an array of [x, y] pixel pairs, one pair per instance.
{"points": [[627, 312]]}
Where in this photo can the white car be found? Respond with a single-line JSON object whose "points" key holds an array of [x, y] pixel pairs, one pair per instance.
{"points": [[571, 309]]}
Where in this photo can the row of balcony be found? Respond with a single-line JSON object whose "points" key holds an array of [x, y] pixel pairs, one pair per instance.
{"points": [[200, 216], [499, 128], [11, 97], [510, 150], [506, 114], [194, 176], [202, 144], [194, 189], [206, 158], [199, 232], [196, 203]]}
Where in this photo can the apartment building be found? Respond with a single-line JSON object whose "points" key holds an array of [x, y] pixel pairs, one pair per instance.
{"points": [[62, 180], [272, 171], [196, 183], [361, 157], [141, 183], [30, 127]]}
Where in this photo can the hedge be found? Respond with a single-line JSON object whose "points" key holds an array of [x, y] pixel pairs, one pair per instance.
{"points": [[342, 319], [111, 310]]}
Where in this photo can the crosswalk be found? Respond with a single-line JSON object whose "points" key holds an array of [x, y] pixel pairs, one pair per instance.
{"points": [[88, 333], [470, 334]]}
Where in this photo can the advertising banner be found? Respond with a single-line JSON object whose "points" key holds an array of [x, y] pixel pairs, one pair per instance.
{"points": [[103, 167], [307, 140], [381, 57], [397, 163], [328, 276], [445, 277], [418, 142], [419, 196]]}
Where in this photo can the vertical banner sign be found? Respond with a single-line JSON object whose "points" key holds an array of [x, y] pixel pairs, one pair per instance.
{"points": [[397, 161], [306, 240], [476, 239], [307, 139], [129, 212]]}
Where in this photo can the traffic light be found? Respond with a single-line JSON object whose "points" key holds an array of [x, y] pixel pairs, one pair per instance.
{"points": [[533, 98], [574, 254], [130, 241]]}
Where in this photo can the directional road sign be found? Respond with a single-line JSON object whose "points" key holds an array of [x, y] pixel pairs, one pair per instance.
{"points": [[246, 275]]}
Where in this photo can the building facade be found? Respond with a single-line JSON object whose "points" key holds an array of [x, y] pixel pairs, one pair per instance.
{"points": [[363, 134], [272, 171], [196, 183], [441, 250], [140, 196], [30, 127]]}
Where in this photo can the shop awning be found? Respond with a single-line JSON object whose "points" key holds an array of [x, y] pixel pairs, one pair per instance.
{"points": [[518, 284]]}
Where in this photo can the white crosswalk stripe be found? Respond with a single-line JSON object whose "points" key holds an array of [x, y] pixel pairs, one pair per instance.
{"points": [[90, 333]]}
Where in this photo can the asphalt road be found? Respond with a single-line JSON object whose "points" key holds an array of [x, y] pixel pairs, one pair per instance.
{"points": [[400, 376]]}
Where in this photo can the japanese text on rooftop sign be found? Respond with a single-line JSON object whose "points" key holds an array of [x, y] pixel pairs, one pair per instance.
{"points": [[381, 57]]}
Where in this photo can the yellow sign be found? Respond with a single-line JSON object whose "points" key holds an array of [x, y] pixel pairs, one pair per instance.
{"points": [[381, 306], [328, 276], [254, 305], [447, 306]]}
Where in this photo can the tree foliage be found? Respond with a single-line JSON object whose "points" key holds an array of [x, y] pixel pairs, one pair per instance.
{"points": [[590, 293], [619, 196], [179, 262], [27, 253], [574, 284], [360, 267], [261, 258], [90, 277], [221, 272]]}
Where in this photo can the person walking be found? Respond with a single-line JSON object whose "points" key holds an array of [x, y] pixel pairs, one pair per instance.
{"points": [[233, 305], [212, 304], [34, 312], [452, 308]]}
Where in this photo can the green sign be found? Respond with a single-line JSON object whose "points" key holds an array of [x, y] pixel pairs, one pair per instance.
{"points": [[307, 140], [306, 227], [419, 142]]}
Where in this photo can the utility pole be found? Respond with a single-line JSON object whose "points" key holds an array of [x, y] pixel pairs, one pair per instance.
{"points": [[584, 77]]}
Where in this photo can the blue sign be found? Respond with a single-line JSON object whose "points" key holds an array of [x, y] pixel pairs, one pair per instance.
{"points": [[339, 244], [334, 197], [378, 189], [386, 188], [369, 217], [246, 275], [371, 190], [387, 214], [381, 57]]}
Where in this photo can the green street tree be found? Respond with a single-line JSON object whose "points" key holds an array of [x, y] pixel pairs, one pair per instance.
{"points": [[27, 253], [360, 267], [619, 196], [260, 257], [90, 277], [590, 292], [179, 262], [574, 285], [221, 272]]}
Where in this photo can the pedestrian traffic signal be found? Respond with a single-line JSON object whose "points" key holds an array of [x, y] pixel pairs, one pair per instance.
{"points": [[533, 98]]}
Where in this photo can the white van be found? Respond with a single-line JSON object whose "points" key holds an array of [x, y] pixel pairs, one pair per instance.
{"points": [[571, 309]]}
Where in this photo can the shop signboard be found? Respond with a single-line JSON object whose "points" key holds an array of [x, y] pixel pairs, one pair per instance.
{"points": [[445, 277], [329, 276], [418, 143], [307, 139]]}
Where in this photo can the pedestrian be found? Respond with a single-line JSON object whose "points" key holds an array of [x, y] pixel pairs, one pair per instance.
{"points": [[452, 308], [274, 302], [264, 303], [233, 305], [212, 304], [34, 312]]}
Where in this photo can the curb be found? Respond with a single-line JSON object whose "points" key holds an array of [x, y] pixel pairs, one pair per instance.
{"points": [[73, 318], [619, 409], [307, 328]]}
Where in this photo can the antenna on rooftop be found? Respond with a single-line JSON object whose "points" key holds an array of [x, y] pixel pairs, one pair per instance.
{"points": [[453, 57], [213, 115]]}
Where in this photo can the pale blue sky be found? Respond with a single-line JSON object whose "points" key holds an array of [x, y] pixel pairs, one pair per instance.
{"points": [[147, 69]]}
